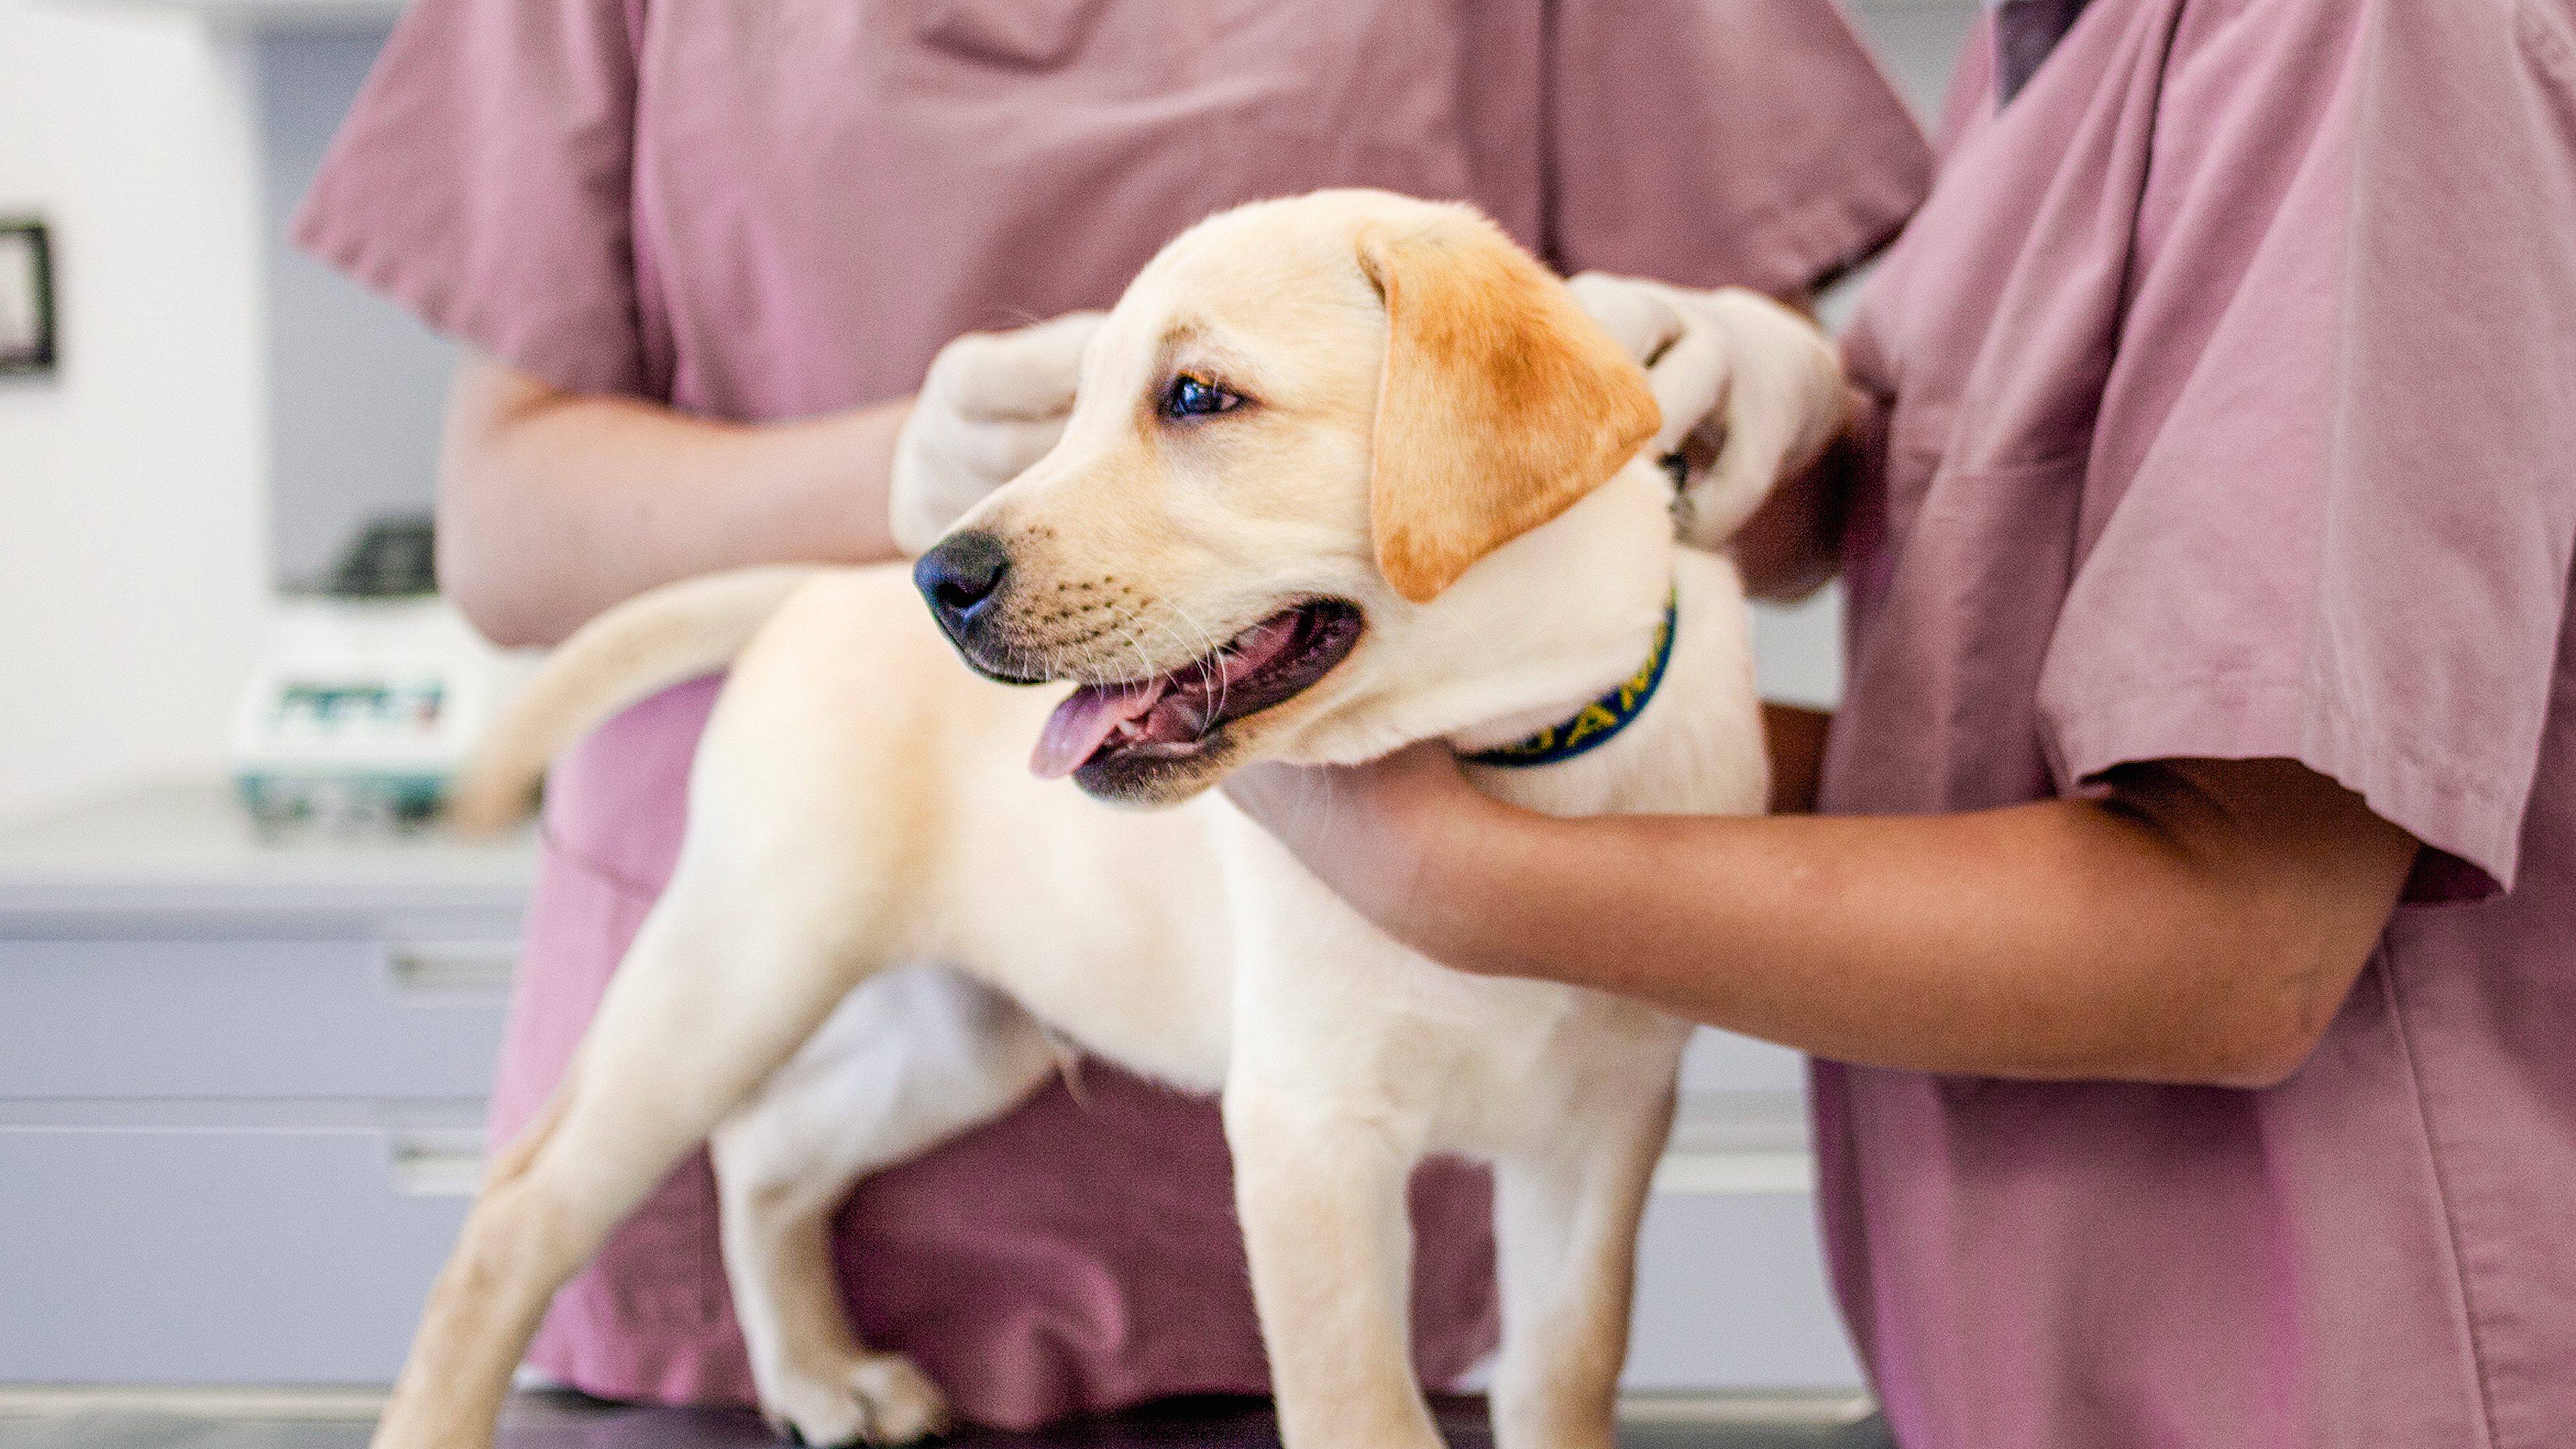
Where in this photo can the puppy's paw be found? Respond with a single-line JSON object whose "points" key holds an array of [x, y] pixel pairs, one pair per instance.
{"points": [[878, 1398]]}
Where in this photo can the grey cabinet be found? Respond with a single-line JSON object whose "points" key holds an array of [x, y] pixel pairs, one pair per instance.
{"points": [[357, 1017], [241, 1090], [165, 1249]]}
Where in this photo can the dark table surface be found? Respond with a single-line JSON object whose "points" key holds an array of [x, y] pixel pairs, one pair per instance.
{"points": [[567, 1421]]}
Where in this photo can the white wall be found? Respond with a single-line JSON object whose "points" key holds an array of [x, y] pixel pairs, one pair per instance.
{"points": [[133, 569]]}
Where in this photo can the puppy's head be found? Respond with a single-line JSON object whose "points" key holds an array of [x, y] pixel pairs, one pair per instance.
{"points": [[1304, 424]]}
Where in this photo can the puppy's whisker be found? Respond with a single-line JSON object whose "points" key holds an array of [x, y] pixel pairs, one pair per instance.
{"points": [[1149, 675], [1211, 648], [1181, 645], [1164, 626], [1325, 830], [1086, 659]]}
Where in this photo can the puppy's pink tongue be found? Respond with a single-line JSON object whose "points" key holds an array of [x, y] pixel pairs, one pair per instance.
{"points": [[1085, 719]]}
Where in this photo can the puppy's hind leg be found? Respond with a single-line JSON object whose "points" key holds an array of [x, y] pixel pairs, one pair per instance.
{"points": [[907, 1060], [713, 996]]}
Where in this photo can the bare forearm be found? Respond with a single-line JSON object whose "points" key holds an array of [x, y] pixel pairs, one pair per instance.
{"points": [[1831, 935], [2153, 938], [553, 506]]}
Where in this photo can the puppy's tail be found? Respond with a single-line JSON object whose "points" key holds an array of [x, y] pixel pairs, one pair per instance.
{"points": [[657, 639]]}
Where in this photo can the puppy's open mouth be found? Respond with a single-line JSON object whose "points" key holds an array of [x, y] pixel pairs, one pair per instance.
{"points": [[1176, 714]]}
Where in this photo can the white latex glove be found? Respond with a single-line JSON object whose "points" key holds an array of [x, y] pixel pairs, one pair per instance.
{"points": [[1751, 392], [991, 404]]}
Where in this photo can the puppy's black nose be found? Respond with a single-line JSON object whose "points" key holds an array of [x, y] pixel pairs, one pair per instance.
{"points": [[959, 576]]}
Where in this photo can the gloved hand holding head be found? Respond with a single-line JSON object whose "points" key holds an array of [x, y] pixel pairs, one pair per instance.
{"points": [[1751, 392], [991, 404]]}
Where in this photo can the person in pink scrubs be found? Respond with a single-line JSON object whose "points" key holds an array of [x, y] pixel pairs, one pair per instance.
{"points": [[2187, 947], [701, 254]]}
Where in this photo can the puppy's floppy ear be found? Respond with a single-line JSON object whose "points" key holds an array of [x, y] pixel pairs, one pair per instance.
{"points": [[1502, 403]]}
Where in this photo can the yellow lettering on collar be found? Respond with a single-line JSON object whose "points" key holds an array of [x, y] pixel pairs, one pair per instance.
{"points": [[1594, 719]]}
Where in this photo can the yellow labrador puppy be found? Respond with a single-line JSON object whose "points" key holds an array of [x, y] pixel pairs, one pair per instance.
{"points": [[1346, 472]]}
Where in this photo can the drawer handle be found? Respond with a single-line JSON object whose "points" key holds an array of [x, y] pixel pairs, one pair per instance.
{"points": [[1736, 1172], [435, 1164], [480, 968]]}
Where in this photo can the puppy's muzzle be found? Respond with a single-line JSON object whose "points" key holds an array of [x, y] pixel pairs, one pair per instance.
{"points": [[962, 580]]}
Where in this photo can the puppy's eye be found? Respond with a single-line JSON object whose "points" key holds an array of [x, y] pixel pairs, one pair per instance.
{"points": [[1197, 397]]}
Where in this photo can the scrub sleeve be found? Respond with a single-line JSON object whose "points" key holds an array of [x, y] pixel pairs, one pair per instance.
{"points": [[761, 212], [2225, 407]]}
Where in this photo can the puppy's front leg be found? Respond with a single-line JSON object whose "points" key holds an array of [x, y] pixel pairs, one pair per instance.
{"points": [[1324, 1149], [1567, 1202], [1322, 1200]]}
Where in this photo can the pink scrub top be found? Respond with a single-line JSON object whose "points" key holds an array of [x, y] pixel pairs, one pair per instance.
{"points": [[767, 211], [2226, 394]]}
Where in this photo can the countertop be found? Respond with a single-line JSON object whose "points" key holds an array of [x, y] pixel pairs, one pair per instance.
{"points": [[567, 1421], [183, 858]]}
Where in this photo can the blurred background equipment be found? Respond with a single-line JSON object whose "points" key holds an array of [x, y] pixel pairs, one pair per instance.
{"points": [[26, 297], [373, 693]]}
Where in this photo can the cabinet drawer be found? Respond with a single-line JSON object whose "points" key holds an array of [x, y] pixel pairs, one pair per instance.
{"points": [[209, 1256], [237, 1018]]}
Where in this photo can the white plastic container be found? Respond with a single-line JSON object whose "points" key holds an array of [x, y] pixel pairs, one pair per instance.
{"points": [[364, 711]]}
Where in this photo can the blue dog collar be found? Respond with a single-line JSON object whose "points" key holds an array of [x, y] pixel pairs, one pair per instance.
{"points": [[1597, 723]]}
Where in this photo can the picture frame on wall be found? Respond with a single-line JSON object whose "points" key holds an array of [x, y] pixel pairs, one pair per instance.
{"points": [[26, 297]]}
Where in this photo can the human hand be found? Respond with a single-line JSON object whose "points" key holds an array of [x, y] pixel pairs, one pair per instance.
{"points": [[991, 404], [1751, 392], [1382, 835]]}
